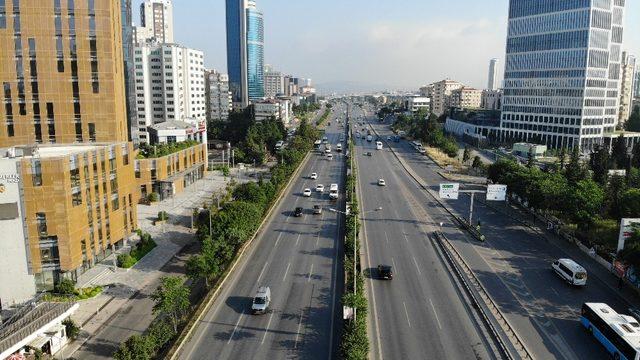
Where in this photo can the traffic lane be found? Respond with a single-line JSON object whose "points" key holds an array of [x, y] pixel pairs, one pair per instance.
{"points": [[412, 295], [243, 294], [564, 319]]}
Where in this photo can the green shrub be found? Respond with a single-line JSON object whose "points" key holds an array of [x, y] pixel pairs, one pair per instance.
{"points": [[71, 329], [163, 216], [125, 261], [66, 287], [152, 197]]}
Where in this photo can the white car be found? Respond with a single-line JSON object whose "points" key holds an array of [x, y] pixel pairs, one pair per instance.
{"points": [[320, 188], [306, 193], [313, 176], [381, 182]]}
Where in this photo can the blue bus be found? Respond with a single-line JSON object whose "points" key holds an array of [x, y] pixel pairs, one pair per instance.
{"points": [[619, 334]]}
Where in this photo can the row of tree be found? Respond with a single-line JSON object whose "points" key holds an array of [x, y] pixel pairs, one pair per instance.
{"points": [[428, 129]]}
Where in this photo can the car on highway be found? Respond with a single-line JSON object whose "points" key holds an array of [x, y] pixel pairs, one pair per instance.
{"points": [[333, 192], [368, 153], [313, 176], [320, 188], [570, 271], [385, 272], [381, 182], [306, 193], [317, 209], [261, 301], [297, 212], [329, 156], [388, 138]]}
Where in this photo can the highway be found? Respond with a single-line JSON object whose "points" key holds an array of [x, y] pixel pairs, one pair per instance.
{"points": [[420, 314], [513, 265], [300, 259]]}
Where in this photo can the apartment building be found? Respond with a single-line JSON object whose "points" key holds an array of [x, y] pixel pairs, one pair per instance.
{"points": [[628, 73], [217, 95], [440, 93], [169, 85], [465, 98], [156, 17]]}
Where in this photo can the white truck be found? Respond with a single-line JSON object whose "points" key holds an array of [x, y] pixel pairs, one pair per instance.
{"points": [[333, 192]]}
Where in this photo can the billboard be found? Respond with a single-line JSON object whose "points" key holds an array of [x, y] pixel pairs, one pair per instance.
{"points": [[449, 191], [626, 229], [496, 192]]}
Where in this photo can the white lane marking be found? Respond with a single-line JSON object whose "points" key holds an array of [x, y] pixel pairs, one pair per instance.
{"points": [[405, 237], [235, 328], [406, 313], [394, 266], [310, 273], [278, 240], [295, 345], [262, 272], [386, 237], [266, 331], [417, 267], [298, 239], [436, 314], [286, 271]]}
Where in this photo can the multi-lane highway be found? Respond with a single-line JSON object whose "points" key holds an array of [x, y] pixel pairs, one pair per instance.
{"points": [[420, 314], [299, 258], [513, 264]]}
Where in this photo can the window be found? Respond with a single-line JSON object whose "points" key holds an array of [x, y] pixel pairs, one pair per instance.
{"points": [[36, 176], [41, 223]]}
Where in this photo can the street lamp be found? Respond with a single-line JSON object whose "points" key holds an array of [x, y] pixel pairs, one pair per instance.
{"points": [[355, 219]]}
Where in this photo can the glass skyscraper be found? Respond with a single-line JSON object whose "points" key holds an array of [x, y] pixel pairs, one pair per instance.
{"points": [[245, 51], [562, 71]]}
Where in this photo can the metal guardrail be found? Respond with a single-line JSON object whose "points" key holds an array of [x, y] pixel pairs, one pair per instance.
{"points": [[479, 296]]}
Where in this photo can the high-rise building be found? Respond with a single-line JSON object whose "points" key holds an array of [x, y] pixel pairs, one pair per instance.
{"points": [[628, 73], [62, 79], [636, 85], [492, 84], [127, 55], [217, 95], [562, 73], [440, 95], [466, 98], [245, 51], [156, 17], [273, 83], [169, 81]]}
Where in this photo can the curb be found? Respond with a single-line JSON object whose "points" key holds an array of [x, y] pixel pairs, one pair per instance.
{"points": [[174, 351]]}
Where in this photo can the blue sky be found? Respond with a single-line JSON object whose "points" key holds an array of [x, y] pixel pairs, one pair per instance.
{"points": [[400, 43]]}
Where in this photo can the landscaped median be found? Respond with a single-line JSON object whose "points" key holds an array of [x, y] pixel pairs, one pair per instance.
{"points": [[355, 343], [224, 233]]}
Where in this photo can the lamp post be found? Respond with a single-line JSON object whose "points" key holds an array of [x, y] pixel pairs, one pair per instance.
{"points": [[355, 219]]}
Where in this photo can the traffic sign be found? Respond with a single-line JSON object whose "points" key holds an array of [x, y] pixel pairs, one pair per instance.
{"points": [[449, 191], [496, 192]]}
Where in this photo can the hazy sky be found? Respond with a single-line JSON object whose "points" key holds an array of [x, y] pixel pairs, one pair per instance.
{"points": [[399, 43]]}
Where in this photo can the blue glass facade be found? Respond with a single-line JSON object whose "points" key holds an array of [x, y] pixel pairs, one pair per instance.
{"points": [[234, 45], [255, 54]]}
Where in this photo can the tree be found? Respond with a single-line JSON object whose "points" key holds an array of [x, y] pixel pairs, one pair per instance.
{"points": [[584, 201], [630, 203], [66, 287], [531, 161], [354, 300], [635, 156], [71, 328], [205, 265], [599, 162], [575, 171], [137, 347], [633, 124], [171, 299], [477, 163], [466, 155], [562, 156], [615, 189], [619, 153]]}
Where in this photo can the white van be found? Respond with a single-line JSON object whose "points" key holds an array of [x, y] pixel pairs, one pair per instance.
{"points": [[333, 192], [570, 271], [261, 301], [378, 145]]}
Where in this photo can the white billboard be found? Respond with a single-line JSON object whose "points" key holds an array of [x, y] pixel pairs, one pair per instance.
{"points": [[449, 191], [496, 192], [626, 230]]}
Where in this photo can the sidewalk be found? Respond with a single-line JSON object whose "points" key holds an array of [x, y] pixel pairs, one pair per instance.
{"points": [[125, 302]]}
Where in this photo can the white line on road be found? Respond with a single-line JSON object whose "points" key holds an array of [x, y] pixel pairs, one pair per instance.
{"points": [[417, 267], [235, 328], [386, 237], [266, 330], [436, 314], [262, 272], [394, 266], [298, 239], [406, 313], [278, 239], [295, 345], [405, 237], [285, 272], [310, 273]]}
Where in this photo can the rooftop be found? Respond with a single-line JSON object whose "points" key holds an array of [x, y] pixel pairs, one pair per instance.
{"points": [[172, 125], [50, 151]]}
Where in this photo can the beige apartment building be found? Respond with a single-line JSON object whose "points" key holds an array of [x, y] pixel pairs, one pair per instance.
{"points": [[439, 93], [466, 98]]}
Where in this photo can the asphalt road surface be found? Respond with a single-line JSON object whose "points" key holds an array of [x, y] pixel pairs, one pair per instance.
{"points": [[299, 258], [420, 314], [514, 265]]}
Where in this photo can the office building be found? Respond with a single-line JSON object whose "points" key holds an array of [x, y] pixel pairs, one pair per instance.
{"points": [[62, 79], [77, 204], [273, 83], [492, 83], [245, 51], [491, 100], [465, 98], [562, 72], [169, 81], [156, 18], [416, 103], [628, 73], [280, 109], [217, 95], [127, 54]]}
